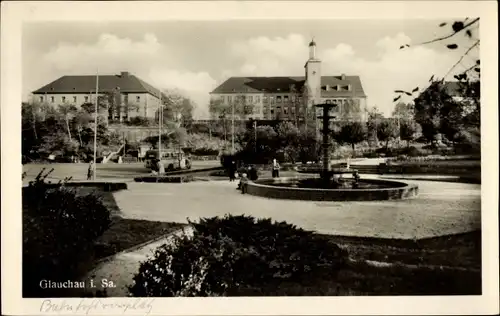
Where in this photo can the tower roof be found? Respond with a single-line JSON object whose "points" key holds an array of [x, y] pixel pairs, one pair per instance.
{"points": [[312, 43]]}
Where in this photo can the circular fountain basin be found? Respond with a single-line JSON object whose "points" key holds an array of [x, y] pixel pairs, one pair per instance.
{"points": [[313, 189]]}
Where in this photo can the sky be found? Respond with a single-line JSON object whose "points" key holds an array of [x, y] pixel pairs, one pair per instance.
{"points": [[193, 57]]}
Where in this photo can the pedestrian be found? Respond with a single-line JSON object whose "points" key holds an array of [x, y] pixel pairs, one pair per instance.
{"points": [[252, 173], [275, 169], [90, 171], [161, 167], [232, 171]]}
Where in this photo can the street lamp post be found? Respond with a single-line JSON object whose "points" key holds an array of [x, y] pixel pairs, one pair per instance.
{"points": [[160, 123], [95, 131], [232, 128], [255, 134]]}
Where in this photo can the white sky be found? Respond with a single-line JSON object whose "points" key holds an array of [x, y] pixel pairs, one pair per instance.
{"points": [[196, 56]]}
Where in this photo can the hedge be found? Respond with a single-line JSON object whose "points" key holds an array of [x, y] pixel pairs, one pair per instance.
{"points": [[59, 231], [225, 254]]}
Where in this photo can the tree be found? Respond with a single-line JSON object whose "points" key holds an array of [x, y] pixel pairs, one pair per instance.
{"points": [[374, 119], [351, 133], [67, 111], [177, 108], [431, 108], [446, 116], [288, 136], [387, 130], [307, 146], [403, 111], [407, 130]]}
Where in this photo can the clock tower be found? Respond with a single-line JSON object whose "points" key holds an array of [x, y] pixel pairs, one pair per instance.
{"points": [[313, 76]]}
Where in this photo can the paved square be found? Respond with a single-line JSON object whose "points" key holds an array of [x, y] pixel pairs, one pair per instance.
{"points": [[441, 208]]}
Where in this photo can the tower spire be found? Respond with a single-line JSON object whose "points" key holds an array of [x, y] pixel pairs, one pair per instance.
{"points": [[312, 49]]}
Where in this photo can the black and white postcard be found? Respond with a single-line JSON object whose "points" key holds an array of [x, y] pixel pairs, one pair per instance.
{"points": [[260, 158]]}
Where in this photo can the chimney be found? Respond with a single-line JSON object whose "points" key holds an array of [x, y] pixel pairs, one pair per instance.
{"points": [[125, 74], [343, 77]]}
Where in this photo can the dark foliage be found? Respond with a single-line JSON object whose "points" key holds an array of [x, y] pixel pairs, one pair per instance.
{"points": [[228, 253], [59, 229], [351, 133]]}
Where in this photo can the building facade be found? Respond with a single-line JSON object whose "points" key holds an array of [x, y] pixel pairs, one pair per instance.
{"points": [[127, 95], [293, 98]]}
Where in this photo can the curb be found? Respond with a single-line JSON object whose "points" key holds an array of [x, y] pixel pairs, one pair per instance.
{"points": [[383, 264]]}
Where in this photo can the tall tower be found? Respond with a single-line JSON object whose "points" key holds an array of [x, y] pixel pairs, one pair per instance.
{"points": [[313, 76]]}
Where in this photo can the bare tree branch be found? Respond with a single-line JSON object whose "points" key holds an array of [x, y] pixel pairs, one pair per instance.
{"points": [[461, 58], [450, 35]]}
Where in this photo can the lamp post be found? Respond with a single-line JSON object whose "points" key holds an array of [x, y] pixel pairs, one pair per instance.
{"points": [[255, 134], [95, 132], [232, 128], [223, 118], [160, 123]]}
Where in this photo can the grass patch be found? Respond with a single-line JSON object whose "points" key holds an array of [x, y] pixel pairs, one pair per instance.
{"points": [[363, 280], [459, 251], [126, 233], [416, 269]]}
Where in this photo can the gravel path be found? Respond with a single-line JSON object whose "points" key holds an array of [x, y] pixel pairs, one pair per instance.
{"points": [[441, 208], [120, 268]]}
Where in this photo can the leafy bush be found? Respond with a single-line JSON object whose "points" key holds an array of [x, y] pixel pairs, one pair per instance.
{"points": [[59, 230], [205, 152], [224, 254]]}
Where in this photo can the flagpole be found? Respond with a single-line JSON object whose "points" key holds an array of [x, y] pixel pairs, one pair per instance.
{"points": [[95, 131], [160, 121]]}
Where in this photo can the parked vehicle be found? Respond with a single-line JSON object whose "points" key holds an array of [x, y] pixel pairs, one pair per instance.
{"points": [[171, 159]]}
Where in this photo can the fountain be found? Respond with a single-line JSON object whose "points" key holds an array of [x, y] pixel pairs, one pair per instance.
{"points": [[330, 185]]}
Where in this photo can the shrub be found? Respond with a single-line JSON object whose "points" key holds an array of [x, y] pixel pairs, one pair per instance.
{"points": [[228, 253], [205, 152], [59, 230]]}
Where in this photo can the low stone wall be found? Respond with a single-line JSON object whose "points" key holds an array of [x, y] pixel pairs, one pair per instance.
{"points": [[165, 179], [429, 168], [104, 186], [204, 158], [400, 190]]}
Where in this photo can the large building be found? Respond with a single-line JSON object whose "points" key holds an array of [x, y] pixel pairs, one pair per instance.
{"points": [[130, 95], [291, 98]]}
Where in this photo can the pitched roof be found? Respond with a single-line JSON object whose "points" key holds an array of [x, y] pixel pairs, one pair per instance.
{"points": [[86, 84], [284, 84]]}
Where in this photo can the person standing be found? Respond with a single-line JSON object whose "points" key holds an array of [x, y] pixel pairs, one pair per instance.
{"points": [[90, 170], [276, 169], [232, 171]]}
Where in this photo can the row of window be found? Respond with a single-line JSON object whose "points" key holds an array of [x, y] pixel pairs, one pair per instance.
{"points": [[286, 110], [86, 99], [256, 99]]}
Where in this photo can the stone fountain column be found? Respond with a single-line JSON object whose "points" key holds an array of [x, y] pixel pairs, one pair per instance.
{"points": [[325, 172]]}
